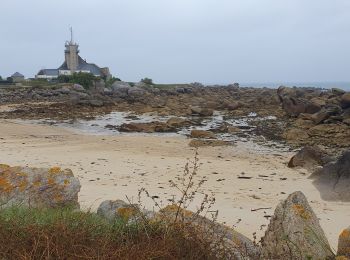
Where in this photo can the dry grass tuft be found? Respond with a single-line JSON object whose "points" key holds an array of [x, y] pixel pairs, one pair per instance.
{"points": [[69, 234]]}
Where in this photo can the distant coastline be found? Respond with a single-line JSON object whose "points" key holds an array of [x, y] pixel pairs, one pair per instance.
{"points": [[326, 85]]}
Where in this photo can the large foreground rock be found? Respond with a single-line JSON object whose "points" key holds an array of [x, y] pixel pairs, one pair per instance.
{"points": [[344, 243], [38, 187], [295, 233], [333, 180], [237, 245]]}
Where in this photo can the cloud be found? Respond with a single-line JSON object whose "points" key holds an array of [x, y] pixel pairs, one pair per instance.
{"points": [[184, 40]]}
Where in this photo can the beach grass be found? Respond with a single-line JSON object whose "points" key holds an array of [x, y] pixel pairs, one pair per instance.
{"points": [[71, 234]]}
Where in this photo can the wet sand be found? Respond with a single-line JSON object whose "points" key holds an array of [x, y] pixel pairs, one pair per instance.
{"points": [[113, 167]]}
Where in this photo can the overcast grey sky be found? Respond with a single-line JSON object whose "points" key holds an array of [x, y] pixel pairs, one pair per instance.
{"points": [[211, 41]]}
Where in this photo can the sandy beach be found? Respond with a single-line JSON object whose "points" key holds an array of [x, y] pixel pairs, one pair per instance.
{"points": [[113, 167]]}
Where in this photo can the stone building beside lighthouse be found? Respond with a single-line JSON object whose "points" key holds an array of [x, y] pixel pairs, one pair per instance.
{"points": [[73, 63]]}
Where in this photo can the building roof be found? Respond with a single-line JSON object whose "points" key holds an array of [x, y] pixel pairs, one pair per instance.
{"points": [[48, 72], [84, 66], [17, 74]]}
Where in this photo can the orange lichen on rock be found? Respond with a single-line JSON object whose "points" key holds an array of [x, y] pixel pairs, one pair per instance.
{"points": [[4, 166], [22, 174], [126, 212], [301, 211], [37, 183], [51, 181], [345, 234], [23, 185], [55, 170], [172, 212], [66, 182], [237, 240], [5, 185], [58, 197], [342, 258]]}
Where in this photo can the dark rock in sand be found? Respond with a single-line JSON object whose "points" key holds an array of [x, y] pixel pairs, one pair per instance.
{"points": [[202, 134], [309, 157], [333, 180]]}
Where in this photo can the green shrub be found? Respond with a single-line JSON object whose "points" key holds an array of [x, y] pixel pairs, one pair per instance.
{"points": [[147, 81], [81, 78]]}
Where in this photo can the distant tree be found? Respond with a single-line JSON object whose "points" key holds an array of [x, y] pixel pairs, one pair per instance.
{"points": [[0, 78], [147, 81], [81, 78], [84, 79], [9, 79]]}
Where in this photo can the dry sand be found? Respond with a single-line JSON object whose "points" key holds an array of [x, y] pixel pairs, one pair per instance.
{"points": [[113, 167]]}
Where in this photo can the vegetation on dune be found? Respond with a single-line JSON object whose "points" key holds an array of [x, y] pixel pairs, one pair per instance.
{"points": [[68, 234]]}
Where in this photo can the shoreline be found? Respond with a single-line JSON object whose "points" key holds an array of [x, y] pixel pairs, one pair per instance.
{"points": [[112, 167]]}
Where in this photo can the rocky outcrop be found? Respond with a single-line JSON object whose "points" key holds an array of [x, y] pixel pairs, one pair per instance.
{"points": [[38, 187], [333, 180], [309, 157], [295, 135], [202, 111], [120, 88], [178, 122], [293, 104], [79, 88], [150, 127], [344, 243], [295, 233], [326, 113], [345, 100], [202, 134], [237, 245]]}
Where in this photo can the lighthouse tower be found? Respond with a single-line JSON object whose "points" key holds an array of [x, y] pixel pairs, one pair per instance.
{"points": [[72, 54]]}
